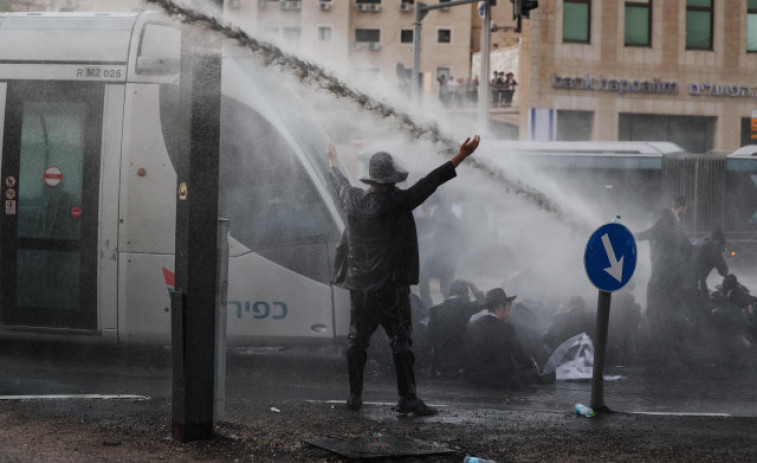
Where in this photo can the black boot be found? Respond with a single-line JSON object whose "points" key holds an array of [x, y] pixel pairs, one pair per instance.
{"points": [[356, 359], [409, 402], [355, 402], [415, 406], [403, 366]]}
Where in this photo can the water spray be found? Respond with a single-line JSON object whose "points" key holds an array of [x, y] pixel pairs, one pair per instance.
{"points": [[314, 75]]}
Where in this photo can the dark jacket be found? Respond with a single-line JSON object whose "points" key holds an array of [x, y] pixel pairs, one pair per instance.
{"points": [[446, 327], [670, 248], [380, 243], [705, 256], [493, 353]]}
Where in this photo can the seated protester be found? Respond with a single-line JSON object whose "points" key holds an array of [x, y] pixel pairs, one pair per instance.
{"points": [[734, 292], [572, 319], [734, 308], [446, 326], [527, 324], [493, 354]]}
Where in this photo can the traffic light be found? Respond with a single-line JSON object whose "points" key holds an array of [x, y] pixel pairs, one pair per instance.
{"points": [[526, 6]]}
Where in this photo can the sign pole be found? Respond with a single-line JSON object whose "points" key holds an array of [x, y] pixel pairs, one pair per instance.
{"points": [[600, 346], [610, 260]]}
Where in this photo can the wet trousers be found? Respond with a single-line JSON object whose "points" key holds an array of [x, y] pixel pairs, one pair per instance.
{"points": [[388, 306]]}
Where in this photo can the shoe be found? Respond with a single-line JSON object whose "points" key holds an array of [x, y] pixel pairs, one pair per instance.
{"points": [[547, 378], [355, 402], [415, 406]]}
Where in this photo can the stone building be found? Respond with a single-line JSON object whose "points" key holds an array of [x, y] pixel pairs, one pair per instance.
{"points": [[672, 70]]}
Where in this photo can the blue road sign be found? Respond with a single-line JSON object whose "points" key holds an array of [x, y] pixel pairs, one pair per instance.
{"points": [[610, 257]]}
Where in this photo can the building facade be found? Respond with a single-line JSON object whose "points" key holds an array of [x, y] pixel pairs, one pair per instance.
{"points": [[373, 37], [672, 70]]}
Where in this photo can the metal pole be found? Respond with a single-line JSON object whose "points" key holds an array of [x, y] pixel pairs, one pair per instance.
{"points": [[414, 83], [483, 81], [600, 346], [197, 171], [222, 285]]}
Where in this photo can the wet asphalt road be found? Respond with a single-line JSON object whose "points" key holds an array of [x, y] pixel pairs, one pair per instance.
{"points": [[306, 374]]}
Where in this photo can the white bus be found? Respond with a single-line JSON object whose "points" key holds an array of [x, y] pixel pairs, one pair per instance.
{"points": [[87, 134]]}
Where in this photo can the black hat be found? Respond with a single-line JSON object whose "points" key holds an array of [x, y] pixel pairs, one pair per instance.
{"points": [[497, 296], [383, 170]]}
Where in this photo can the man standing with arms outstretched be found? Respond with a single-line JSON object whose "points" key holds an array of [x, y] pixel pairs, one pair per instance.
{"points": [[378, 262]]}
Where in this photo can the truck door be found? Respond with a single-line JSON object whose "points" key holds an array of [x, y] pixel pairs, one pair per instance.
{"points": [[50, 177]]}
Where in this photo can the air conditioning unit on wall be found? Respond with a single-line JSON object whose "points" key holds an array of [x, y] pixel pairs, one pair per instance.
{"points": [[325, 5], [406, 7], [291, 5], [374, 46]]}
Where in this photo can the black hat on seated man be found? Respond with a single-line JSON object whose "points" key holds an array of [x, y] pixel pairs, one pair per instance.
{"points": [[382, 170], [497, 296]]}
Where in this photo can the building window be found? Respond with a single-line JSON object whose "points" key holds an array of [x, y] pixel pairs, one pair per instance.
{"points": [[367, 35], [699, 24], [443, 71], [406, 36], [695, 134], [574, 125], [270, 32], [576, 21], [444, 36], [751, 25], [638, 17], [324, 33], [292, 34]]}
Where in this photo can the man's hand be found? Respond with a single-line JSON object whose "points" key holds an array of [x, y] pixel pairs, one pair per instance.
{"points": [[466, 149], [331, 153]]}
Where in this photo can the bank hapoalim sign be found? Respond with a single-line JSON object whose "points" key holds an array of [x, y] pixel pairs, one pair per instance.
{"points": [[655, 86]]}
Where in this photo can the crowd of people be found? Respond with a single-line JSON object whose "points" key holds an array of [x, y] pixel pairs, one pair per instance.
{"points": [[464, 92], [682, 312], [458, 92], [503, 88]]}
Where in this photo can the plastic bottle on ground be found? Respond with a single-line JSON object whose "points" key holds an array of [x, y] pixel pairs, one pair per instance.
{"points": [[583, 410], [477, 460]]}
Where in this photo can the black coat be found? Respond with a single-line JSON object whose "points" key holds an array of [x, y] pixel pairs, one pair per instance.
{"points": [[493, 354], [447, 323], [670, 249], [705, 256], [380, 243]]}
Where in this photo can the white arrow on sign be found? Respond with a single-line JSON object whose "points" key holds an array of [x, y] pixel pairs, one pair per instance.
{"points": [[616, 266]]}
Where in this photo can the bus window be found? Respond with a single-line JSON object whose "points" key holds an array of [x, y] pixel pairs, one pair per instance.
{"points": [[741, 200], [265, 189], [272, 202], [159, 50]]}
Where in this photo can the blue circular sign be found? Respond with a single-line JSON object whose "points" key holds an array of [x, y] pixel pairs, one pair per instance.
{"points": [[610, 257]]}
